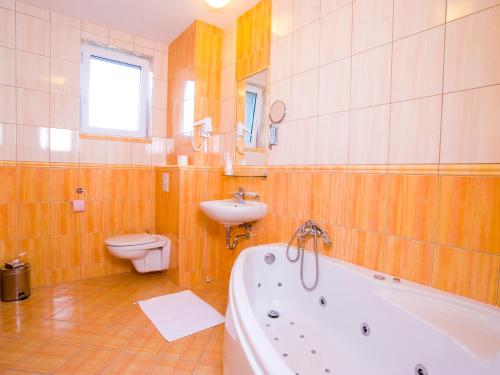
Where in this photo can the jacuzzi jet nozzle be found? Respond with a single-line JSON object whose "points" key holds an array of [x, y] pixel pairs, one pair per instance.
{"points": [[273, 314]]}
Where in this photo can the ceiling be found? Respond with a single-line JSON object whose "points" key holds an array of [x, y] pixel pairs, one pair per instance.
{"points": [[160, 20]]}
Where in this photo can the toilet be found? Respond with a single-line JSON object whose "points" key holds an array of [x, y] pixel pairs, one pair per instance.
{"points": [[148, 252]]}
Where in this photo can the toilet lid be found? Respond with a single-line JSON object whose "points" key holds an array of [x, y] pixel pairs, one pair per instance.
{"points": [[131, 239]]}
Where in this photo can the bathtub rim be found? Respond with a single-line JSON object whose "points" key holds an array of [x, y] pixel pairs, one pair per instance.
{"points": [[274, 363]]}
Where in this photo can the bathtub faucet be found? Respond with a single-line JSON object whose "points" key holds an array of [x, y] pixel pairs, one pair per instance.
{"points": [[309, 228]]}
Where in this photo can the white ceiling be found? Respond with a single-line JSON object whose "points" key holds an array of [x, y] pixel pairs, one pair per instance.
{"points": [[160, 20]]}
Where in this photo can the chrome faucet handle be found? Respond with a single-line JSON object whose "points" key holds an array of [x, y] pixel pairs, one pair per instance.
{"points": [[239, 195]]}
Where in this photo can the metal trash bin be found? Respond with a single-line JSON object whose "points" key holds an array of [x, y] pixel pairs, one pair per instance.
{"points": [[15, 283]]}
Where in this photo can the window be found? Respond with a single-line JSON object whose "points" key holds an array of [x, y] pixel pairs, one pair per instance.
{"points": [[116, 92], [188, 108], [253, 114]]}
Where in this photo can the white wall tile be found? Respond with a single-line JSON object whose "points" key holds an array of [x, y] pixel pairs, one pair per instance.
{"points": [[281, 59], [282, 90], [31, 10], [141, 153], [303, 141], [471, 131], [7, 104], [305, 48], [159, 99], [64, 111], [7, 66], [159, 122], [32, 71], [32, 107], [305, 12], [93, 151], [305, 94], [334, 87], [369, 135], [7, 141], [472, 52], [7, 28], [65, 77], [64, 20], [159, 152], [118, 152], [415, 131], [32, 34], [412, 16], [371, 77], [417, 65], [328, 6], [333, 139], [65, 42], [32, 143], [372, 24], [335, 35], [461, 8], [282, 18], [280, 154], [64, 146]]}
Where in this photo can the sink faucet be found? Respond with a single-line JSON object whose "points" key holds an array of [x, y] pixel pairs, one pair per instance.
{"points": [[239, 195]]}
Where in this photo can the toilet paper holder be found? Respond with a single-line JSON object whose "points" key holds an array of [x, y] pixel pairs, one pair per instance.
{"points": [[80, 190]]}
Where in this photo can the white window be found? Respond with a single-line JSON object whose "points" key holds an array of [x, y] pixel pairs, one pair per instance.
{"points": [[188, 107], [116, 92]]}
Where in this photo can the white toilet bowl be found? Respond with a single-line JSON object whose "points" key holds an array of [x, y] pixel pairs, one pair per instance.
{"points": [[148, 252]]}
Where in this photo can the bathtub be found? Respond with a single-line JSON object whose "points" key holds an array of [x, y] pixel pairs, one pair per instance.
{"points": [[357, 321]]}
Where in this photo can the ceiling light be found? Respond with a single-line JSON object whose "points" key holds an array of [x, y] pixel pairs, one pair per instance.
{"points": [[217, 3]]}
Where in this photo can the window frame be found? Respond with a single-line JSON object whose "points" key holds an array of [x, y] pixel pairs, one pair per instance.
{"points": [[257, 113], [127, 58]]}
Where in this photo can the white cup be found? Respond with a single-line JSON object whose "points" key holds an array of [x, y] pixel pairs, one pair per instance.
{"points": [[182, 160]]}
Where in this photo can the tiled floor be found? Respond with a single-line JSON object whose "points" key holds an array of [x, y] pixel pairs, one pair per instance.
{"points": [[94, 327]]}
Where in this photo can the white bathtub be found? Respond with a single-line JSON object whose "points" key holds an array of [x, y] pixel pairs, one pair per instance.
{"points": [[411, 326]]}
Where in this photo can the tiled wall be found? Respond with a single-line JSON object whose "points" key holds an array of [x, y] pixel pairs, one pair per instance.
{"points": [[386, 81], [40, 90], [39, 112], [393, 110], [36, 217], [195, 56], [253, 39]]}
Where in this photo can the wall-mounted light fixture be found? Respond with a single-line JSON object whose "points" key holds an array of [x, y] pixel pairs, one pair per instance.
{"points": [[217, 3]]}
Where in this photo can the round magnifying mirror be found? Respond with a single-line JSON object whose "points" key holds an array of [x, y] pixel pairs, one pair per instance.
{"points": [[277, 112]]}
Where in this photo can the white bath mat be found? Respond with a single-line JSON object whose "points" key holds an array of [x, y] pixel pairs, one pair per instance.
{"points": [[180, 314]]}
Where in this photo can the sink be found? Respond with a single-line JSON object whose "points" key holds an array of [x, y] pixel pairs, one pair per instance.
{"points": [[230, 212]]}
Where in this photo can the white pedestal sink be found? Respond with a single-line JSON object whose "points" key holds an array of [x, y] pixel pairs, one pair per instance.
{"points": [[230, 212]]}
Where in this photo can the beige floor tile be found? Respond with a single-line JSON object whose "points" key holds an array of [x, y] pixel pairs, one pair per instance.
{"points": [[95, 327]]}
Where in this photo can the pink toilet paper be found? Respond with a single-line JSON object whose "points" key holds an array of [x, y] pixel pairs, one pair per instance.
{"points": [[79, 205]]}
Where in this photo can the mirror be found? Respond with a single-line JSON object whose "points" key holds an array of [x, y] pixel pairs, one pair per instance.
{"points": [[252, 112], [277, 112]]}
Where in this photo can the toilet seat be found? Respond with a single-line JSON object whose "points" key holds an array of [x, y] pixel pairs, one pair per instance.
{"points": [[131, 239], [148, 252]]}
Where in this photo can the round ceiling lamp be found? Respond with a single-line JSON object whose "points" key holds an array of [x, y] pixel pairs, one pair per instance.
{"points": [[217, 3]]}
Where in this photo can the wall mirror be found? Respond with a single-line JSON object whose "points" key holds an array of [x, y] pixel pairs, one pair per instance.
{"points": [[252, 119], [277, 112]]}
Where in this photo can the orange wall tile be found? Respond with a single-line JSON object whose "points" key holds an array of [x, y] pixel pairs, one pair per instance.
{"points": [[408, 259], [365, 205], [411, 206], [36, 217], [467, 273], [381, 221], [253, 40], [468, 212]]}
